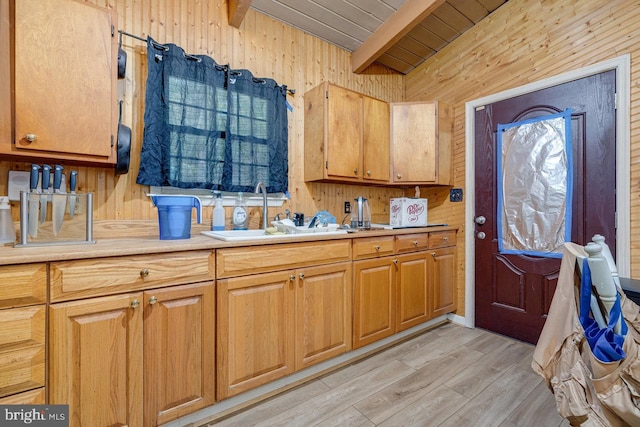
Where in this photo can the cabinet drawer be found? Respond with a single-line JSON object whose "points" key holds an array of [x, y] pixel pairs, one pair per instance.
{"points": [[412, 242], [442, 239], [31, 397], [24, 284], [22, 349], [257, 259], [103, 276], [371, 247]]}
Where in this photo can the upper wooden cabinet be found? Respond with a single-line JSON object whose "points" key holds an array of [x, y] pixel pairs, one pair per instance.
{"points": [[64, 80], [346, 136], [421, 143]]}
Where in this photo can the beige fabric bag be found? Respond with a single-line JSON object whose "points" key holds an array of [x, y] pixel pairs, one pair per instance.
{"points": [[587, 391]]}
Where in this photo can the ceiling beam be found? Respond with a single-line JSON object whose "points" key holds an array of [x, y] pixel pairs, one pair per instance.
{"points": [[410, 14], [237, 10]]}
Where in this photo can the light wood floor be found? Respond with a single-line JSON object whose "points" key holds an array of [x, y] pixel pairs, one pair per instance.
{"points": [[450, 376]]}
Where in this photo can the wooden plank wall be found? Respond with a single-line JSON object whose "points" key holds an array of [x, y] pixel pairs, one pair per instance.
{"points": [[267, 48], [521, 42]]}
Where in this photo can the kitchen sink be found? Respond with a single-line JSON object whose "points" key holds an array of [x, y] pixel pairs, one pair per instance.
{"points": [[240, 235]]}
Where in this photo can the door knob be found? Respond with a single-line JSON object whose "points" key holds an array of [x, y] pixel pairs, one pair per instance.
{"points": [[481, 235], [480, 220]]}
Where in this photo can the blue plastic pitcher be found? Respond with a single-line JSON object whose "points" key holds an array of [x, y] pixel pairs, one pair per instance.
{"points": [[174, 215]]}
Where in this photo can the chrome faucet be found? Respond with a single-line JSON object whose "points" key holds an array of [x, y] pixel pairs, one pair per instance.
{"points": [[261, 187]]}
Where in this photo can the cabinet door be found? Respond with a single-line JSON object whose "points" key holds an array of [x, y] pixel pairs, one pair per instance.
{"points": [[255, 339], [323, 313], [95, 360], [65, 80], [375, 144], [22, 349], [344, 133], [442, 280], [413, 142], [5, 74], [179, 351], [413, 298], [374, 300]]}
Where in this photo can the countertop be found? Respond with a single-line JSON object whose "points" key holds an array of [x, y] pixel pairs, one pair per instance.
{"points": [[150, 245]]}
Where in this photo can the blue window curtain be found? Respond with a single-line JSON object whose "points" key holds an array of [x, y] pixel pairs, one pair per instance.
{"points": [[209, 127]]}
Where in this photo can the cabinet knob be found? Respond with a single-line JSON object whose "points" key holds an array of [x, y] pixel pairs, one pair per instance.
{"points": [[144, 272], [433, 254], [398, 175], [355, 171], [377, 248], [368, 173], [292, 277], [301, 275], [415, 243], [31, 137], [153, 300], [395, 261], [445, 238], [135, 303]]}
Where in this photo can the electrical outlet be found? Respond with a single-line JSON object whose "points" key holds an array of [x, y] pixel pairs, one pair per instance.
{"points": [[455, 195], [347, 207]]}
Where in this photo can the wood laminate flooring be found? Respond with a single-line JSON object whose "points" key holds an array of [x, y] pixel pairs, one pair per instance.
{"points": [[449, 376]]}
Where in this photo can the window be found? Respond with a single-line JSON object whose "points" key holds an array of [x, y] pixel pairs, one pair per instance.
{"points": [[209, 127]]}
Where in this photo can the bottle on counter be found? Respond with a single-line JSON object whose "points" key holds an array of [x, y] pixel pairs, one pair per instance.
{"points": [[218, 215], [240, 216], [7, 231]]}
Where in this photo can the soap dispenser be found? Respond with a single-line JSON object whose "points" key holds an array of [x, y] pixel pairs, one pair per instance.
{"points": [[218, 215], [240, 216], [7, 231]]}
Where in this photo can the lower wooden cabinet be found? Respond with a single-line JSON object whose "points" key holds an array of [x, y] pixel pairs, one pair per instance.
{"points": [[412, 275], [442, 280], [150, 355], [397, 292], [95, 357], [23, 295], [273, 324], [374, 300]]}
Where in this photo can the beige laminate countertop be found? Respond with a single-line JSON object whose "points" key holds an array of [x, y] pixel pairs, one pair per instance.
{"points": [[152, 245]]}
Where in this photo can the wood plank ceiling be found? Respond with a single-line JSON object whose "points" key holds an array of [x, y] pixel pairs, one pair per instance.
{"points": [[400, 34]]}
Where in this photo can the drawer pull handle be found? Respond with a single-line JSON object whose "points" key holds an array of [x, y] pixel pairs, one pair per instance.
{"points": [[144, 272], [415, 243], [292, 277], [301, 275], [153, 300], [445, 238], [134, 304], [377, 248]]}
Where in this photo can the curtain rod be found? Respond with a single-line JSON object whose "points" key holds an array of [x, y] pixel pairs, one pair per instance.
{"points": [[122, 32]]}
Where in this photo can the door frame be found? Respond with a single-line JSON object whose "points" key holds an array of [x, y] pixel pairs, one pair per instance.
{"points": [[622, 66]]}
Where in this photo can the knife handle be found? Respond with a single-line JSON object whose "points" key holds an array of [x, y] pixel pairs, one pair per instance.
{"points": [[34, 177], [46, 176], [73, 181], [57, 177]]}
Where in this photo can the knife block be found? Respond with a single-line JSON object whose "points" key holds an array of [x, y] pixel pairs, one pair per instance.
{"points": [[76, 230]]}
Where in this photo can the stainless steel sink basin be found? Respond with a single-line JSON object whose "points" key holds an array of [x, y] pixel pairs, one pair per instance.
{"points": [[240, 235]]}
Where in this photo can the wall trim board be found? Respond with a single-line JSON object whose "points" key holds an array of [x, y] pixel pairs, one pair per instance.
{"points": [[622, 65]]}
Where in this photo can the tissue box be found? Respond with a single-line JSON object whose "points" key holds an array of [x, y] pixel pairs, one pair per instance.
{"points": [[408, 212]]}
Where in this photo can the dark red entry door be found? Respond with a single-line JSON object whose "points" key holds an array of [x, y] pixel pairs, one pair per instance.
{"points": [[514, 292]]}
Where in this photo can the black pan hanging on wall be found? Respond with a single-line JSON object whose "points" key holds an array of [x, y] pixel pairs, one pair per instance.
{"points": [[123, 146], [122, 59]]}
